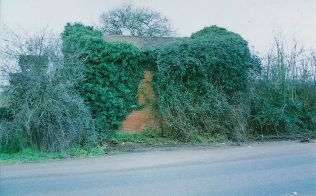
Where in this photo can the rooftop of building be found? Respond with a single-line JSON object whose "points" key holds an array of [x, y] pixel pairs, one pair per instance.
{"points": [[142, 41]]}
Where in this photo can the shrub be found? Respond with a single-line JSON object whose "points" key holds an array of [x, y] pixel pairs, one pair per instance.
{"points": [[215, 61], [112, 73], [195, 80], [45, 112], [285, 101], [189, 114], [277, 112]]}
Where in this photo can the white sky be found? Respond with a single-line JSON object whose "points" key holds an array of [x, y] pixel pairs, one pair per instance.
{"points": [[255, 20]]}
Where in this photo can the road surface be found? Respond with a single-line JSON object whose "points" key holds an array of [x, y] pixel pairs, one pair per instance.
{"points": [[271, 168]]}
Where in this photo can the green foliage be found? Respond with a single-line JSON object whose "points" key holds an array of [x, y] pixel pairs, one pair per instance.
{"points": [[202, 84], [30, 155], [205, 112], [217, 32], [276, 112], [195, 80], [218, 61], [147, 137], [112, 73], [285, 95], [150, 59], [5, 114]]}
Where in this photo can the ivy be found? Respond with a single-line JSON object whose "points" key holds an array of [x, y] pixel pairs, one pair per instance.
{"points": [[224, 61], [196, 78], [112, 73]]}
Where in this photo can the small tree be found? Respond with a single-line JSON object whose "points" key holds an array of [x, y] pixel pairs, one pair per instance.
{"points": [[127, 20]]}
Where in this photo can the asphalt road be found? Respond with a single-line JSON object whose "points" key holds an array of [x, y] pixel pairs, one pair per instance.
{"points": [[273, 168]]}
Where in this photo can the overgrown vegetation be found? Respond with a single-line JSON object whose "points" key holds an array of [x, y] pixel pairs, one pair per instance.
{"points": [[195, 82], [209, 87], [112, 73], [285, 100], [43, 111]]}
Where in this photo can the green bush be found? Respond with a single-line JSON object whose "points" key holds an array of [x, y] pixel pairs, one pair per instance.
{"points": [[284, 104], [189, 114], [195, 80], [112, 74], [217, 61], [277, 112]]}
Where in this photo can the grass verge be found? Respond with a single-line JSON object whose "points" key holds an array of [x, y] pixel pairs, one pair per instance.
{"points": [[149, 138], [120, 140], [30, 155]]}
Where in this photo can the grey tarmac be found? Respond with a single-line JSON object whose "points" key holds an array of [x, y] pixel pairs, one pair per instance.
{"points": [[267, 168]]}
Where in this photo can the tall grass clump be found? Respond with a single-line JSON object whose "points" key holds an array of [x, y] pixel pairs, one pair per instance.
{"points": [[285, 99]]}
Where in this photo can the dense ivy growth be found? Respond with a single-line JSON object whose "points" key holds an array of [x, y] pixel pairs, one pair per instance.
{"points": [[219, 61], [199, 70], [217, 32], [112, 73]]}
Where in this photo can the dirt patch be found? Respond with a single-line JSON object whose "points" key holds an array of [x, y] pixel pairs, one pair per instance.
{"points": [[137, 120]]}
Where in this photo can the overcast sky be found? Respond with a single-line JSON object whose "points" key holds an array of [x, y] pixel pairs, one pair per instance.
{"points": [[255, 20]]}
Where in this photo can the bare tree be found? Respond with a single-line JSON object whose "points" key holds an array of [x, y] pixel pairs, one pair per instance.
{"points": [[128, 20]]}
